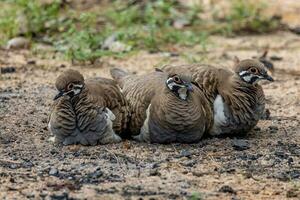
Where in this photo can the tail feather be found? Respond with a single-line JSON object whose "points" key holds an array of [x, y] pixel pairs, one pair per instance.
{"points": [[118, 74]]}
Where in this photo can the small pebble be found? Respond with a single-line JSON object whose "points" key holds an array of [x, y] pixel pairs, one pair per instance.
{"points": [[185, 153], [273, 129], [31, 62], [18, 43], [154, 172], [53, 172], [5, 70], [227, 189], [291, 193], [13, 166], [240, 145], [180, 23]]}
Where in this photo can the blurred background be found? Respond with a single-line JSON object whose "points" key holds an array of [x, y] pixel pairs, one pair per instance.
{"points": [[85, 30], [39, 39]]}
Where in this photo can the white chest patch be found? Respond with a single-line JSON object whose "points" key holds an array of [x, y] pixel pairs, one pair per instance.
{"points": [[110, 115], [219, 116], [182, 93]]}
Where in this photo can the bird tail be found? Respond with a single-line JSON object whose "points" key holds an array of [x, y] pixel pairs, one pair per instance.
{"points": [[118, 74]]}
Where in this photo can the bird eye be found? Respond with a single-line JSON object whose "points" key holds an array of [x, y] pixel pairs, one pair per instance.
{"points": [[253, 70], [70, 86], [176, 79]]}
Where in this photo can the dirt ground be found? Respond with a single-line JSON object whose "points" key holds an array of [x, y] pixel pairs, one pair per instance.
{"points": [[266, 166]]}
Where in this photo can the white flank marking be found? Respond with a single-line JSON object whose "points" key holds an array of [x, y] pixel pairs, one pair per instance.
{"points": [[219, 115], [110, 115]]}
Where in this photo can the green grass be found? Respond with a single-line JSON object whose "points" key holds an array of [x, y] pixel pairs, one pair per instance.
{"points": [[147, 25], [246, 17], [8, 22], [195, 196]]}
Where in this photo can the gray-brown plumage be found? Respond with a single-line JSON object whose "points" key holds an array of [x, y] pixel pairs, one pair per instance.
{"points": [[236, 98], [163, 107], [87, 112]]}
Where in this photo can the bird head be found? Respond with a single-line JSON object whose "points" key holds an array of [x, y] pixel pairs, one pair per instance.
{"points": [[180, 85], [70, 83], [251, 71]]}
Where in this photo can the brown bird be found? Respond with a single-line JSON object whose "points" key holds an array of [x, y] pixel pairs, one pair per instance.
{"points": [[236, 97], [87, 112], [164, 107]]}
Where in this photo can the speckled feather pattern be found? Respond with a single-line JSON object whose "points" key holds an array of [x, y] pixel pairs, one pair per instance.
{"points": [[112, 98], [244, 102], [171, 119], [139, 91], [176, 120], [85, 114]]}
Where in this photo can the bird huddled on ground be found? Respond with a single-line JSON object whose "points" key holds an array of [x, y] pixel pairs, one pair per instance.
{"points": [[173, 104], [165, 107], [89, 111], [236, 97]]}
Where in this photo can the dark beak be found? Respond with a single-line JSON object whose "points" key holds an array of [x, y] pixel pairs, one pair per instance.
{"points": [[60, 94], [189, 87], [269, 78]]}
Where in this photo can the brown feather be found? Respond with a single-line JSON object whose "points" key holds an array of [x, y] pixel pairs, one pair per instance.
{"points": [[245, 102]]}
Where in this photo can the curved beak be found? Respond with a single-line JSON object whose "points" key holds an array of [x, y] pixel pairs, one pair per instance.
{"points": [[189, 87], [60, 94], [269, 78]]}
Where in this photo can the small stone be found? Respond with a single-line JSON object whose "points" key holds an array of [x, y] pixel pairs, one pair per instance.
{"points": [[240, 145], [119, 47], [281, 154], [180, 23], [53, 172], [291, 193], [53, 151], [155, 165], [257, 128], [276, 58], [113, 45], [18, 43], [189, 163], [295, 30], [185, 153], [13, 166], [31, 62], [273, 128], [5, 70], [62, 66], [227, 189], [63, 196], [154, 172], [290, 160]]}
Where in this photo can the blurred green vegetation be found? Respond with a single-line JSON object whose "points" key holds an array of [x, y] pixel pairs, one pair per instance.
{"points": [[195, 196], [153, 25]]}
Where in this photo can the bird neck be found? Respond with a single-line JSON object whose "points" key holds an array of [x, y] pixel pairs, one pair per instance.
{"points": [[181, 93]]}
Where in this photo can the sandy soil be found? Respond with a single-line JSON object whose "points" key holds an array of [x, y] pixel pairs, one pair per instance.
{"points": [[267, 167]]}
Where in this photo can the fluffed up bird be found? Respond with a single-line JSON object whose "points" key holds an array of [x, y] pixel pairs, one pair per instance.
{"points": [[87, 112], [236, 97], [165, 108]]}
